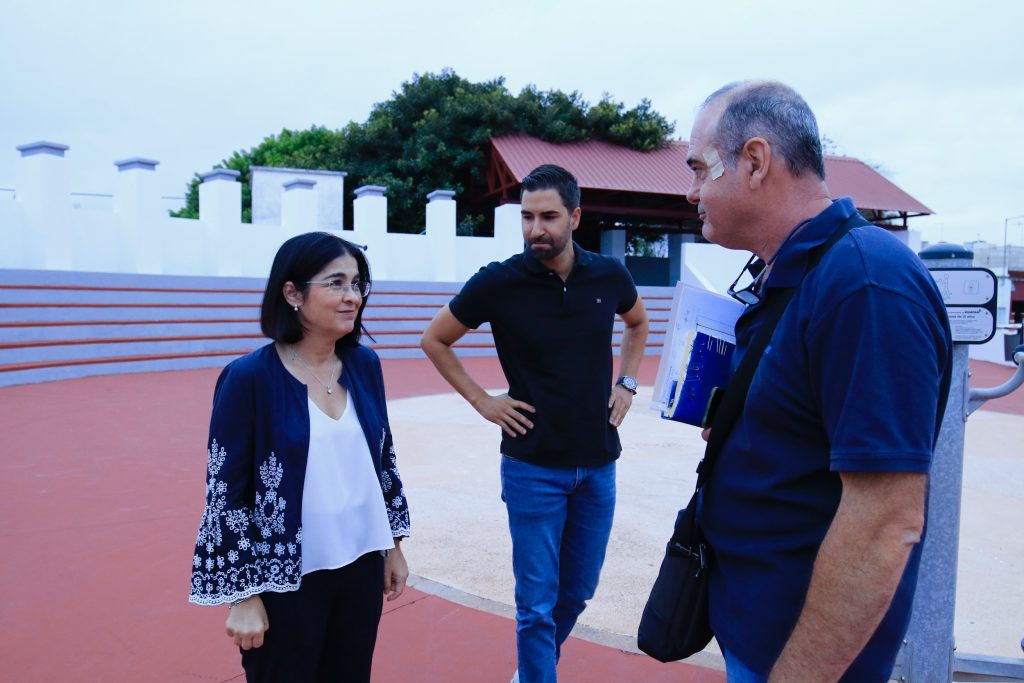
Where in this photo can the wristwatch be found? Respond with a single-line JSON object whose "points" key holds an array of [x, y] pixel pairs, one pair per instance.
{"points": [[628, 383]]}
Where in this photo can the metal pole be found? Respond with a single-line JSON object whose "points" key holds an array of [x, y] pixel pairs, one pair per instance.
{"points": [[927, 654]]}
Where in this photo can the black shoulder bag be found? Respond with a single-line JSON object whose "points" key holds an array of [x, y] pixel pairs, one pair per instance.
{"points": [[675, 622]]}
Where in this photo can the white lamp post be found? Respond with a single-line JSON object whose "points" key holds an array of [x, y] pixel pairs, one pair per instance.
{"points": [[1006, 243]]}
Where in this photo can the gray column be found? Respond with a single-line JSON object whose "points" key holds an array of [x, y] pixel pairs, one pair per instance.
{"points": [[675, 259], [613, 243]]}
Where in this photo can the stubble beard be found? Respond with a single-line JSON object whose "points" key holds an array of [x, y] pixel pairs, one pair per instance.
{"points": [[545, 249]]}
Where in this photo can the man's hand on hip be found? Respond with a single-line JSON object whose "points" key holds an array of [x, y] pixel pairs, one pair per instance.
{"points": [[619, 403], [504, 411]]}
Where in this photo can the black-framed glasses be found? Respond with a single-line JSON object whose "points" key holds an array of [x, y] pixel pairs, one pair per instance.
{"points": [[338, 286], [750, 294]]}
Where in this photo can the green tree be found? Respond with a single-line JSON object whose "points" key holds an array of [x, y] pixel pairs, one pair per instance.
{"points": [[434, 132]]}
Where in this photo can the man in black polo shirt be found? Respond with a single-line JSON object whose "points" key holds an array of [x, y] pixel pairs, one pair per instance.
{"points": [[551, 311]]}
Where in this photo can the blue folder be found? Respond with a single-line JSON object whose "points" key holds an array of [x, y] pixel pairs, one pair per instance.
{"points": [[709, 366]]}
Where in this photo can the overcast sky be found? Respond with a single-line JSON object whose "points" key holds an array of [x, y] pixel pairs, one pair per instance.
{"points": [[932, 91]]}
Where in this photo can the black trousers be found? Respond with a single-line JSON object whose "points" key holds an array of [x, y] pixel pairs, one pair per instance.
{"points": [[323, 632]]}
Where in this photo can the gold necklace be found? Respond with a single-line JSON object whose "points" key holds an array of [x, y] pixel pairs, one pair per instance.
{"points": [[296, 356]]}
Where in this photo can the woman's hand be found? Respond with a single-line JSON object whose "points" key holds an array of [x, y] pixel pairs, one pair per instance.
{"points": [[247, 623], [396, 572]]}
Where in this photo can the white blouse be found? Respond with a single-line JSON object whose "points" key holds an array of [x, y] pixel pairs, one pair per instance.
{"points": [[343, 511]]}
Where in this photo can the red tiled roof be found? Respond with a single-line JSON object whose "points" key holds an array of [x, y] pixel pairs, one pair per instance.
{"points": [[869, 188], [600, 165]]}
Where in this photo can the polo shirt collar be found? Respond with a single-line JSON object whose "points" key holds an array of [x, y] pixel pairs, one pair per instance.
{"points": [[791, 260], [582, 258]]}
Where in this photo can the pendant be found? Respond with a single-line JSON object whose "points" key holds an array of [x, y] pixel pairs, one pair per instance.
{"points": [[330, 391]]}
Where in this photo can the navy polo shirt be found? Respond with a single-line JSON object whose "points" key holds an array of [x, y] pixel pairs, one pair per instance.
{"points": [[554, 342], [854, 379]]}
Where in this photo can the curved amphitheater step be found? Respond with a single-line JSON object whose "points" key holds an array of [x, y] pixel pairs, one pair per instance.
{"points": [[63, 324]]}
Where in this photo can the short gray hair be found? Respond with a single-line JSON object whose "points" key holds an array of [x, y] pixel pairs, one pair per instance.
{"points": [[775, 112]]}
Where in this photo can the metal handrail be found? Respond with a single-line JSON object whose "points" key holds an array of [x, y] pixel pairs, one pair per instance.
{"points": [[977, 397]]}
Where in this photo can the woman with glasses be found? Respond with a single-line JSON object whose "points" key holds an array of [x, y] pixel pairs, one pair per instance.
{"points": [[304, 505]]}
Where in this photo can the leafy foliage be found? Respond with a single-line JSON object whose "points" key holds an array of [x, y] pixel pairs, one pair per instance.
{"points": [[640, 244], [434, 133]]}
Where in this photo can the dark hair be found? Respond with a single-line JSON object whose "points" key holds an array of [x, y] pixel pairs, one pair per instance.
{"points": [[775, 112], [551, 177], [298, 260]]}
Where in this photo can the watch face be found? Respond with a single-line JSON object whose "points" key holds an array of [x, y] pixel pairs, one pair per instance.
{"points": [[628, 382]]}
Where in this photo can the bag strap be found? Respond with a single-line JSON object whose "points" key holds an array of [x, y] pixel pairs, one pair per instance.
{"points": [[735, 396]]}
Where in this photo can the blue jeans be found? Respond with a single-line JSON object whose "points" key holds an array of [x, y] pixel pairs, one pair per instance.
{"points": [[738, 672], [559, 519]]}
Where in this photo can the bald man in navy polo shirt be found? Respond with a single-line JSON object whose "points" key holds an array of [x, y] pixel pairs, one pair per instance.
{"points": [[815, 509]]}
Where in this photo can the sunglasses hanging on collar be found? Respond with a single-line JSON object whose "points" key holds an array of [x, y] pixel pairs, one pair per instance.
{"points": [[757, 267], [751, 294]]}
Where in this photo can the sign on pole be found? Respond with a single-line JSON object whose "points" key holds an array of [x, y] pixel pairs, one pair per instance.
{"points": [[970, 298]]}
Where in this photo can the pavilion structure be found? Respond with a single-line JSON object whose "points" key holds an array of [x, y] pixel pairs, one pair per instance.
{"points": [[626, 190]]}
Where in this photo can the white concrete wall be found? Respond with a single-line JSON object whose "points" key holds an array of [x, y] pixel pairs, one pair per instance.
{"points": [[993, 351], [267, 192], [710, 266], [40, 227], [911, 238]]}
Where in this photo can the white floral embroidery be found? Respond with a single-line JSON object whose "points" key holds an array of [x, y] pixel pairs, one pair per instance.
{"points": [[230, 575], [210, 534], [270, 522], [237, 521], [391, 486]]}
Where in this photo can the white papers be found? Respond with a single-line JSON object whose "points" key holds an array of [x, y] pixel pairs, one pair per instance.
{"points": [[693, 310]]}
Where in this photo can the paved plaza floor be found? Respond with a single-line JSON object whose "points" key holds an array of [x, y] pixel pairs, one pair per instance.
{"points": [[101, 485]]}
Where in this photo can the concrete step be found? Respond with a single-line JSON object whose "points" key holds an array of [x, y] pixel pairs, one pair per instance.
{"points": [[120, 349], [60, 324], [14, 297], [113, 313], [63, 331]]}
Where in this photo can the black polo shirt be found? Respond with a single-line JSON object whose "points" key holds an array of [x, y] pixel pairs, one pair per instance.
{"points": [[554, 341]]}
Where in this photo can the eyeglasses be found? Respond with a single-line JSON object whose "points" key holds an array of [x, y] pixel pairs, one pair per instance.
{"points": [[750, 294], [338, 286]]}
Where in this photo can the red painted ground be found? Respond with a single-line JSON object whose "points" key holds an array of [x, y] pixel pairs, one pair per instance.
{"points": [[101, 481]]}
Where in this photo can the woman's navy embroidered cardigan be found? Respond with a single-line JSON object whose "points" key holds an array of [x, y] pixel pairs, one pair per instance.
{"points": [[250, 536]]}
